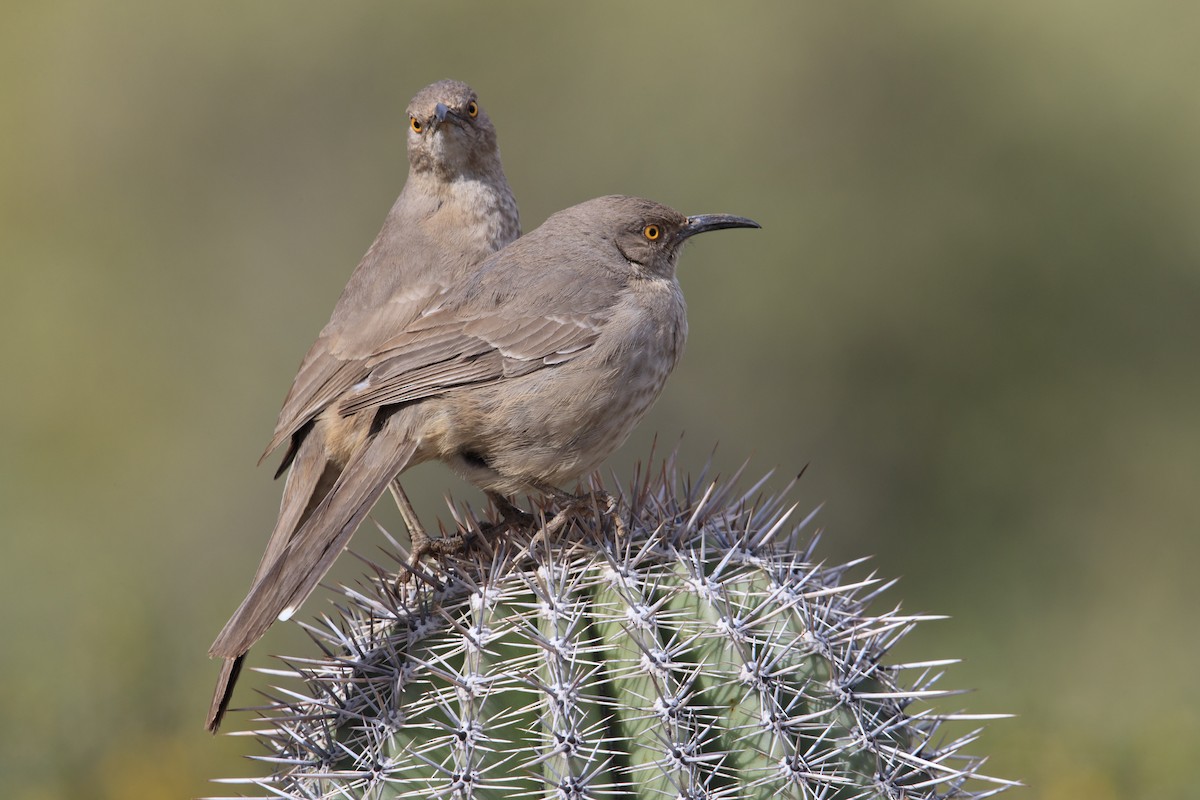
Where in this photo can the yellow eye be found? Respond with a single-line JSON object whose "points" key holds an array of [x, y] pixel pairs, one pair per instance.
{"points": [[651, 232], [473, 109], [416, 124]]}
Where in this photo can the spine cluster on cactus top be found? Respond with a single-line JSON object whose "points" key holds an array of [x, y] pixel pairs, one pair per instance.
{"points": [[700, 653]]}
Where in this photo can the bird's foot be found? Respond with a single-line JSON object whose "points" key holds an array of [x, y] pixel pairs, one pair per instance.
{"points": [[573, 506], [418, 539], [425, 545], [613, 512], [511, 517]]}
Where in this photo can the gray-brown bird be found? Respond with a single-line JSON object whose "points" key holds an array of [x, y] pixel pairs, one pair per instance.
{"points": [[524, 377], [456, 208]]}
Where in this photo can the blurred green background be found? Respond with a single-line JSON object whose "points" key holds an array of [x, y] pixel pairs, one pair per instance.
{"points": [[973, 312]]}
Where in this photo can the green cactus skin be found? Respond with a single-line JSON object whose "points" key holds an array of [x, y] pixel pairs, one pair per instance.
{"points": [[688, 657]]}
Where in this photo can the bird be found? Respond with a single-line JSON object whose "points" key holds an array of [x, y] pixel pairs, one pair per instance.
{"points": [[455, 209], [524, 377]]}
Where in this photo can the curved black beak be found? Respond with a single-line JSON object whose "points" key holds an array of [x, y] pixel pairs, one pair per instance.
{"points": [[443, 112], [714, 222]]}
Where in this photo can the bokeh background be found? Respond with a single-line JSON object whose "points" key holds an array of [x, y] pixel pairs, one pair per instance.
{"points": [[973, 313]]}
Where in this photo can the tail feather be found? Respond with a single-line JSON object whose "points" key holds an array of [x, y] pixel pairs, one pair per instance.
{"points": [[308, 481], [299, 566], [230, 669]]}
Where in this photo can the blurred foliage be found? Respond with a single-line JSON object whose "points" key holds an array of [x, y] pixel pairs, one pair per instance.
{"points": [[973, 312]]}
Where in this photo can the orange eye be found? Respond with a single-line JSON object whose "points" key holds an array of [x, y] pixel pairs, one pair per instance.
{"points": [[416, 124], [652, 232], [472, 109]]}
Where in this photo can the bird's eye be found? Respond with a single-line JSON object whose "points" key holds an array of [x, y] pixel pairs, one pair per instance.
{"points": [[652, 232], [416, 124], [472, 109]]}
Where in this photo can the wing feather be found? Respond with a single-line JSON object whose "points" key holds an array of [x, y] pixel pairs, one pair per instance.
{"points": [[427, 362], [341, 355]]}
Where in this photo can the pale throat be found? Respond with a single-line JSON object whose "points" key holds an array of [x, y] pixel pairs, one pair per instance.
{"points": [[488, 206]]}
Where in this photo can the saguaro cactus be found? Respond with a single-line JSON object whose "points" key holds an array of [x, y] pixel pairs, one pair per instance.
{"points": [[696, 651]]}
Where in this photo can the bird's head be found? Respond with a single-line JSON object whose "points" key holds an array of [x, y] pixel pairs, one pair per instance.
{"points": [[647, 235], [449, 132]]}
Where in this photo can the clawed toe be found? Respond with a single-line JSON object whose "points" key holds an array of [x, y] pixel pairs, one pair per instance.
{"points": [[514, 520], [573, 507], [511, 517]]}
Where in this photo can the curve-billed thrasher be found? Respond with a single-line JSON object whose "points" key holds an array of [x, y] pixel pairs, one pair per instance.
{"points": [[527, 375], [456, 208]]}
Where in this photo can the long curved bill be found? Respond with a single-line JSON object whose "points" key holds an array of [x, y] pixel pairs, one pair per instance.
{"points": [[701, 223]]}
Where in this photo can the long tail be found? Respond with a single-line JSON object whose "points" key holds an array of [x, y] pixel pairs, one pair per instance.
{"points": [[309, 479], [303, 558]]}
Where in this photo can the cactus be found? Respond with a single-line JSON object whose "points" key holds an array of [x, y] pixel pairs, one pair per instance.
{"points": [[694, 651]]}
